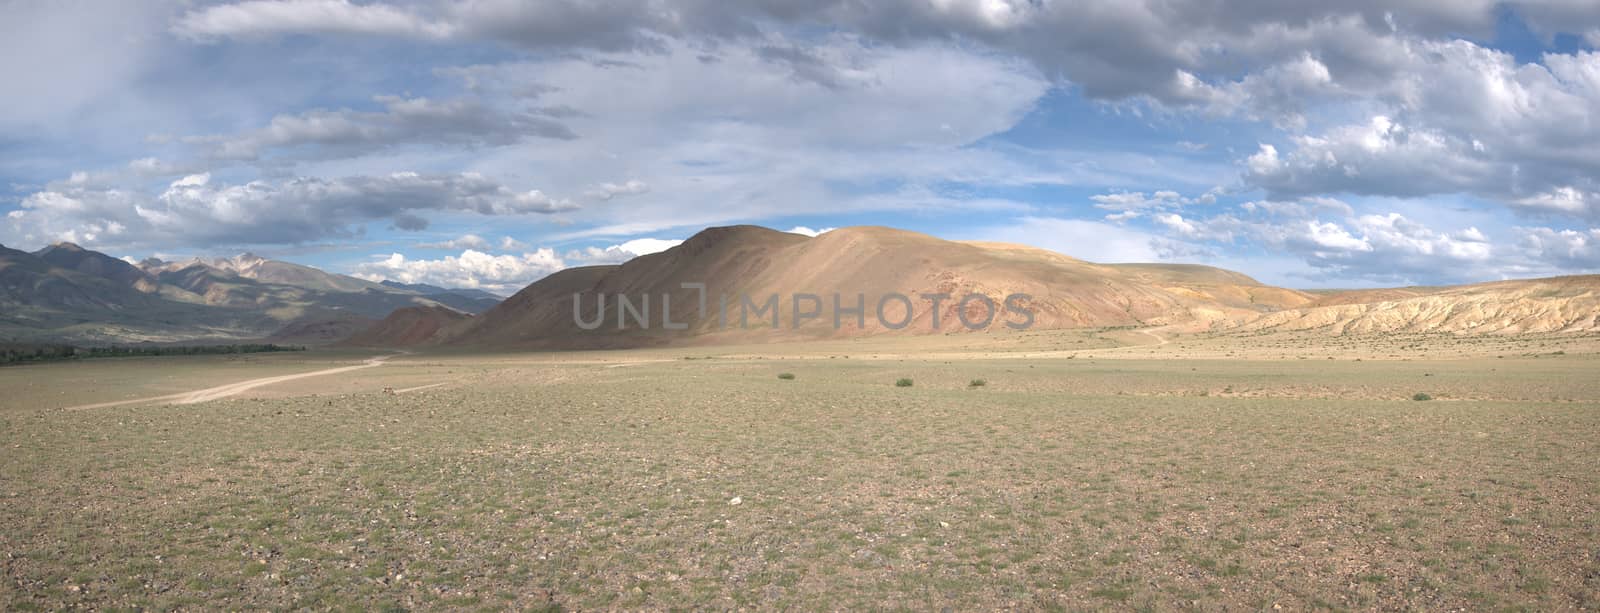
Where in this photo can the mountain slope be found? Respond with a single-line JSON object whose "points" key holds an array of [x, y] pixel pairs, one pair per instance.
{"points": [[408, 327], [466, 300]]}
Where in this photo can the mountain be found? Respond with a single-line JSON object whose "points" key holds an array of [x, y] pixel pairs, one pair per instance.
{"points": [[467, 300], [869, 262], [73, 257], [43, 301], [425, 289], [253, 267], [408, 327], [67, 293]]}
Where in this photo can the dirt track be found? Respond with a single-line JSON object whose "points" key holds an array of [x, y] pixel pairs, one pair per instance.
{"points": [[224, 391]]}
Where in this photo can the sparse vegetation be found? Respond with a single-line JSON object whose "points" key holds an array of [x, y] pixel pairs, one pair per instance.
{"points": [[786, 376], [518, 486], [977, 383], [903, 382], [1420, 396]]}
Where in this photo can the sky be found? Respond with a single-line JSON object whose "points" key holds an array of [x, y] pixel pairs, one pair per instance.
{"points": [[488, 143]]}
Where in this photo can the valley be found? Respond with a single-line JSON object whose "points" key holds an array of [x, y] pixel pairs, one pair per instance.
{"points": [[1075, 469]]}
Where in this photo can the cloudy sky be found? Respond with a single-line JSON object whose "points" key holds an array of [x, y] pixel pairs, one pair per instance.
{"points": [[486, 143]]}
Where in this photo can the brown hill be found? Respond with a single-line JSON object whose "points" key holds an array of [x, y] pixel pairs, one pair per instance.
{"points": [[1556, 304], [861, 266], [408, 327]]}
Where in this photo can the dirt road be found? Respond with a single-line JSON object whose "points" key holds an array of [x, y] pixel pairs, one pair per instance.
{"points": [[224, 391]]}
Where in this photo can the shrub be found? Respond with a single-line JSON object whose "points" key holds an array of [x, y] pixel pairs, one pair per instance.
{"points": [[977, 383], [902, 383], [1419, 396], [786, 376]]}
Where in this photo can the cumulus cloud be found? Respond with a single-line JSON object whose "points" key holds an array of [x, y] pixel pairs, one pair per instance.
{"points": [[1133, 205], [1566, 200], [510, 244], [195, 210], [471, 270], [1328, 236], [1380, 157], [1562, 250], [1465, 119], [500, 273]]}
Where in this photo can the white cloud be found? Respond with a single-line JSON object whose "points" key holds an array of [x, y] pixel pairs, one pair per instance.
{"points": [[1379, 157], [1389, 248], [1134, 201], [1565, 199], [510, 244], [471, 269], [1334, 238], [1176, 223], [808, 231], [1562, 250], [501, 273], [1460, 118], [617, 254], [266, 17]]}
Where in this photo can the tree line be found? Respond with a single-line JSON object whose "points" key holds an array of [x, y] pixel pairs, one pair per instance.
{"points": [[21, 353]]}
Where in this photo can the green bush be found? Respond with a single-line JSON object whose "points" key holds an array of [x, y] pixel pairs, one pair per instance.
{"points": [[786, 376], [977, 383], [902, 383], [1419, 396]]}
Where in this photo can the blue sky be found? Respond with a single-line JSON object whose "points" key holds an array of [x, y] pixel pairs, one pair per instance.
{"points": [[487, 143]]}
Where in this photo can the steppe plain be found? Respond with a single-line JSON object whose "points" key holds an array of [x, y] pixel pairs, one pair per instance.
{"points": [[1105, 468]]}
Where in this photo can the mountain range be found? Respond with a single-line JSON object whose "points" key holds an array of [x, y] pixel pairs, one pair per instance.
{"points": [[66, 292], [862, 265]]}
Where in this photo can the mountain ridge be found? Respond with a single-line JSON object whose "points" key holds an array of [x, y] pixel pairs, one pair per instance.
{"points": [[67, 292]]}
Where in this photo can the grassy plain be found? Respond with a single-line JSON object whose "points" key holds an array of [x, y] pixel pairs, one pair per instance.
{"points": [[1092, 469]]}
